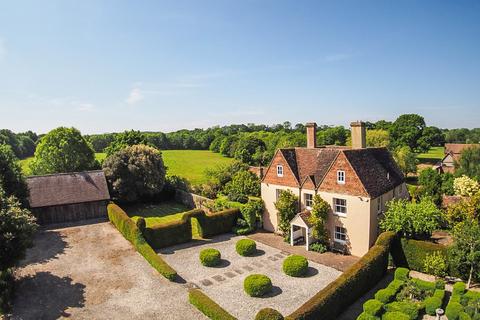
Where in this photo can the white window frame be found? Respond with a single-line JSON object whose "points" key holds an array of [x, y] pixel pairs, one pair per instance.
{"points": [[279, 170], [339, 233], [338, 205], [340, 177], [310, 200]]}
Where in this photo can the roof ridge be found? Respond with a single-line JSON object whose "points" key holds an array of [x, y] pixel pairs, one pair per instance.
{"points": [[63, 174]]}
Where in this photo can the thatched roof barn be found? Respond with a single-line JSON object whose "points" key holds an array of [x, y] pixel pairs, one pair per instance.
{"points": [[68, 197]]}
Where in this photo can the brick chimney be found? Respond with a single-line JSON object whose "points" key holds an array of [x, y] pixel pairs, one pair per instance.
{"points": [[311, 135], [359, 135]]}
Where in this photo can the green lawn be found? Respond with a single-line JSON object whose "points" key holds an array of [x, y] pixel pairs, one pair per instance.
{"points": [[433, 155], [156, 213]]}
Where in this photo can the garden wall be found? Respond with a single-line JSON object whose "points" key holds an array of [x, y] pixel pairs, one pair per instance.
{"points": [[191, 200]]}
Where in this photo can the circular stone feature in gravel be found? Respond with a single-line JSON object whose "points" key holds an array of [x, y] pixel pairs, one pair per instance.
{"points": [[210, 257], [257, 285], [295, 266], [246, 247]]}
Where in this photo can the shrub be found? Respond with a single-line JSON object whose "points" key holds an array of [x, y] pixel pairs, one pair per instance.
{"points": [[295, 266], [440, 284], [210, 257], [435, 263], [217, 223], [366, 316], [6, 290], [257, 285], [373, 307], [453, 310], [318, 247], [408, 308], [396, 285], [411, 253], [268, 314], [385, 295], [243, 184], [129, 230], [464, 316], [328, 303], [459, 288], [246, 247], [426, 286], [207, 306], [395, 315], [432, 304], [401, 274]]}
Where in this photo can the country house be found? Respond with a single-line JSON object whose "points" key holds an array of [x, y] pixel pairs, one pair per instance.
{"points": [[357, 182], [453, 153]]}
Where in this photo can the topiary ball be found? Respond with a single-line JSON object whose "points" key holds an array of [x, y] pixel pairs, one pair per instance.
{"points": [[210, 257], [246, 247], [257, 285], [141, 224], [268, 314], [295, 266]]}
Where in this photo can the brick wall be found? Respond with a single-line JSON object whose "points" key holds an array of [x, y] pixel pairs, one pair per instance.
{"points": [[271, 177]]}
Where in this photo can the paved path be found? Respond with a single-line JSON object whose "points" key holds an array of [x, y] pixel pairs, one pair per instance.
{"points": [[92, 272], [329, 259]]}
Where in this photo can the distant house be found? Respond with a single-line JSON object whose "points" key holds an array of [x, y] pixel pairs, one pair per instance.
{"points": [[356, 181], [453, 153], [68, 197]]}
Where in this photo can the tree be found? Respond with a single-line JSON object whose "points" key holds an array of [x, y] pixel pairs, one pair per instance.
{"points": [[431, 184], [469, 163], [126, 139], [465, 252], [318, 218], [17, 227], [287, 207], [250, 150], [412, 219], [406, 160], [467, 209], [63, 150], [243, 185], [378, 138], [407, 130], [11, 178], [465, 187], [431, 137], [135, 173]]}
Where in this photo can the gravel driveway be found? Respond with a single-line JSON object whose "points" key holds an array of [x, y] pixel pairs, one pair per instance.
{"points": [[92, 272], [224, 284]]}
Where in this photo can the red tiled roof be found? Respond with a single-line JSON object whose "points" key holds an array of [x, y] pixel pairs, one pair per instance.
{"points": [[457, 148]]}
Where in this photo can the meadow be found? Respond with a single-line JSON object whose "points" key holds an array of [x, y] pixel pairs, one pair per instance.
{"points": [[433, 155], [189, 164]]}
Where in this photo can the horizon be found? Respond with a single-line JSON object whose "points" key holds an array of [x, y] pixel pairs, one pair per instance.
{"points": [[105, 66]]}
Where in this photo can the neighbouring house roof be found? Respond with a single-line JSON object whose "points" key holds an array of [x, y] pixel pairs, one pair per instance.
{"points": [[67, 188], [375, 167], [457, 148]]}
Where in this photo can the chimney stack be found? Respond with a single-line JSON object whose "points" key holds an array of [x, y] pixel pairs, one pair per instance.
{"points": [[311, 135], [359, 135]]}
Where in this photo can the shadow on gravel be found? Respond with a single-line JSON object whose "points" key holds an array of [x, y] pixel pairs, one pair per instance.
{"points": [[48, 245], [46, 296], [275, 292], [311, 272]]}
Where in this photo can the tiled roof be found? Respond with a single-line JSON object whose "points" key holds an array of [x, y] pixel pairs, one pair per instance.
{"points": [[67, 188], [457, 148]]}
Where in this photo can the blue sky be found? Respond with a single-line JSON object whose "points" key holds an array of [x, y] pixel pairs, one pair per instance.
{"points": [[106, 66]]}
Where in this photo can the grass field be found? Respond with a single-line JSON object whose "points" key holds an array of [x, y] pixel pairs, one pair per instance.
{"points": [[189, 164], [432, 156]]}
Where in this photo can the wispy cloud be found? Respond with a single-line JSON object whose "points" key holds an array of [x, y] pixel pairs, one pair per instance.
{"points": [[135, 96]]}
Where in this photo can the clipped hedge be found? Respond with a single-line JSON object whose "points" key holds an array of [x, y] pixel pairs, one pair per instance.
{"points": [[395, 315], [410, 309], [207, 306], [411, 253], [432, 304], [366, 316], [453, 310], [352, 284], [217, 223], [6, 290], [402, 274], [129, 230], [385, 295], [396, 285], [210, 257], [426, 286], [295, 266], [257, 285], [268, 314], [373, 307], [246, 247]]}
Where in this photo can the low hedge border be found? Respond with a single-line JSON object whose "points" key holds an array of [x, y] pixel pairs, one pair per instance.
{"points": [[129, 230], [207, 306], [351, 285]]}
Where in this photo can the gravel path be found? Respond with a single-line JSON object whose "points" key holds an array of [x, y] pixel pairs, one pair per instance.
{"points": [[92, 272], [224, 284]]}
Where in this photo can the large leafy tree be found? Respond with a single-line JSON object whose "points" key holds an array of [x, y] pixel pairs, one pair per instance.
{"points": [[63, 150], [378, 138], [242, 185], [11, 178], [126, 139], [407, 130], [469, 163], [412, 219], [250, 150], [287, 207], [465, 252], [431, 137], [135, 173], [17, 227], [318, 218], [406, 160]]}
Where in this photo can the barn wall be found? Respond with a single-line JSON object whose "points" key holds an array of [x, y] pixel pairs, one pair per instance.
{"points": [[71, 212]]}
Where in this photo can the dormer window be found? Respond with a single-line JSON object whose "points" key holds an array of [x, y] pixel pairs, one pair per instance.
{"points": [[280, 171], [341, 177]]}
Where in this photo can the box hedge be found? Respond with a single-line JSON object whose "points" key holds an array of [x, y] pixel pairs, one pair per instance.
{"points": [[411, 253], [268, 314], [427, 286], [348, 287], [453, 310], [395, 315], [385, 295], [257, 285], [410, 309], [207, 306], [246, 247], [366, 316], [216, 223], [396, 285], [432, 304], [373, 307], [295, 266], [129, 230], [401, 274], [210, 257]]}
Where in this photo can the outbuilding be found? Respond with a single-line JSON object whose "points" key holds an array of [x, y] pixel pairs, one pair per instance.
{"points": [[68, 197]]}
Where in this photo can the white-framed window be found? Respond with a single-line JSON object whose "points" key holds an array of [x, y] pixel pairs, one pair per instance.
{"points": [[340, 206], [340, 234], [277, 193], [279, 170], [308, 200], [341, 177]]}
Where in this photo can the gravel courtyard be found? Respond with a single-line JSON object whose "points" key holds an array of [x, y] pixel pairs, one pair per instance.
{"points": [[224, 284], [92, 272]]}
